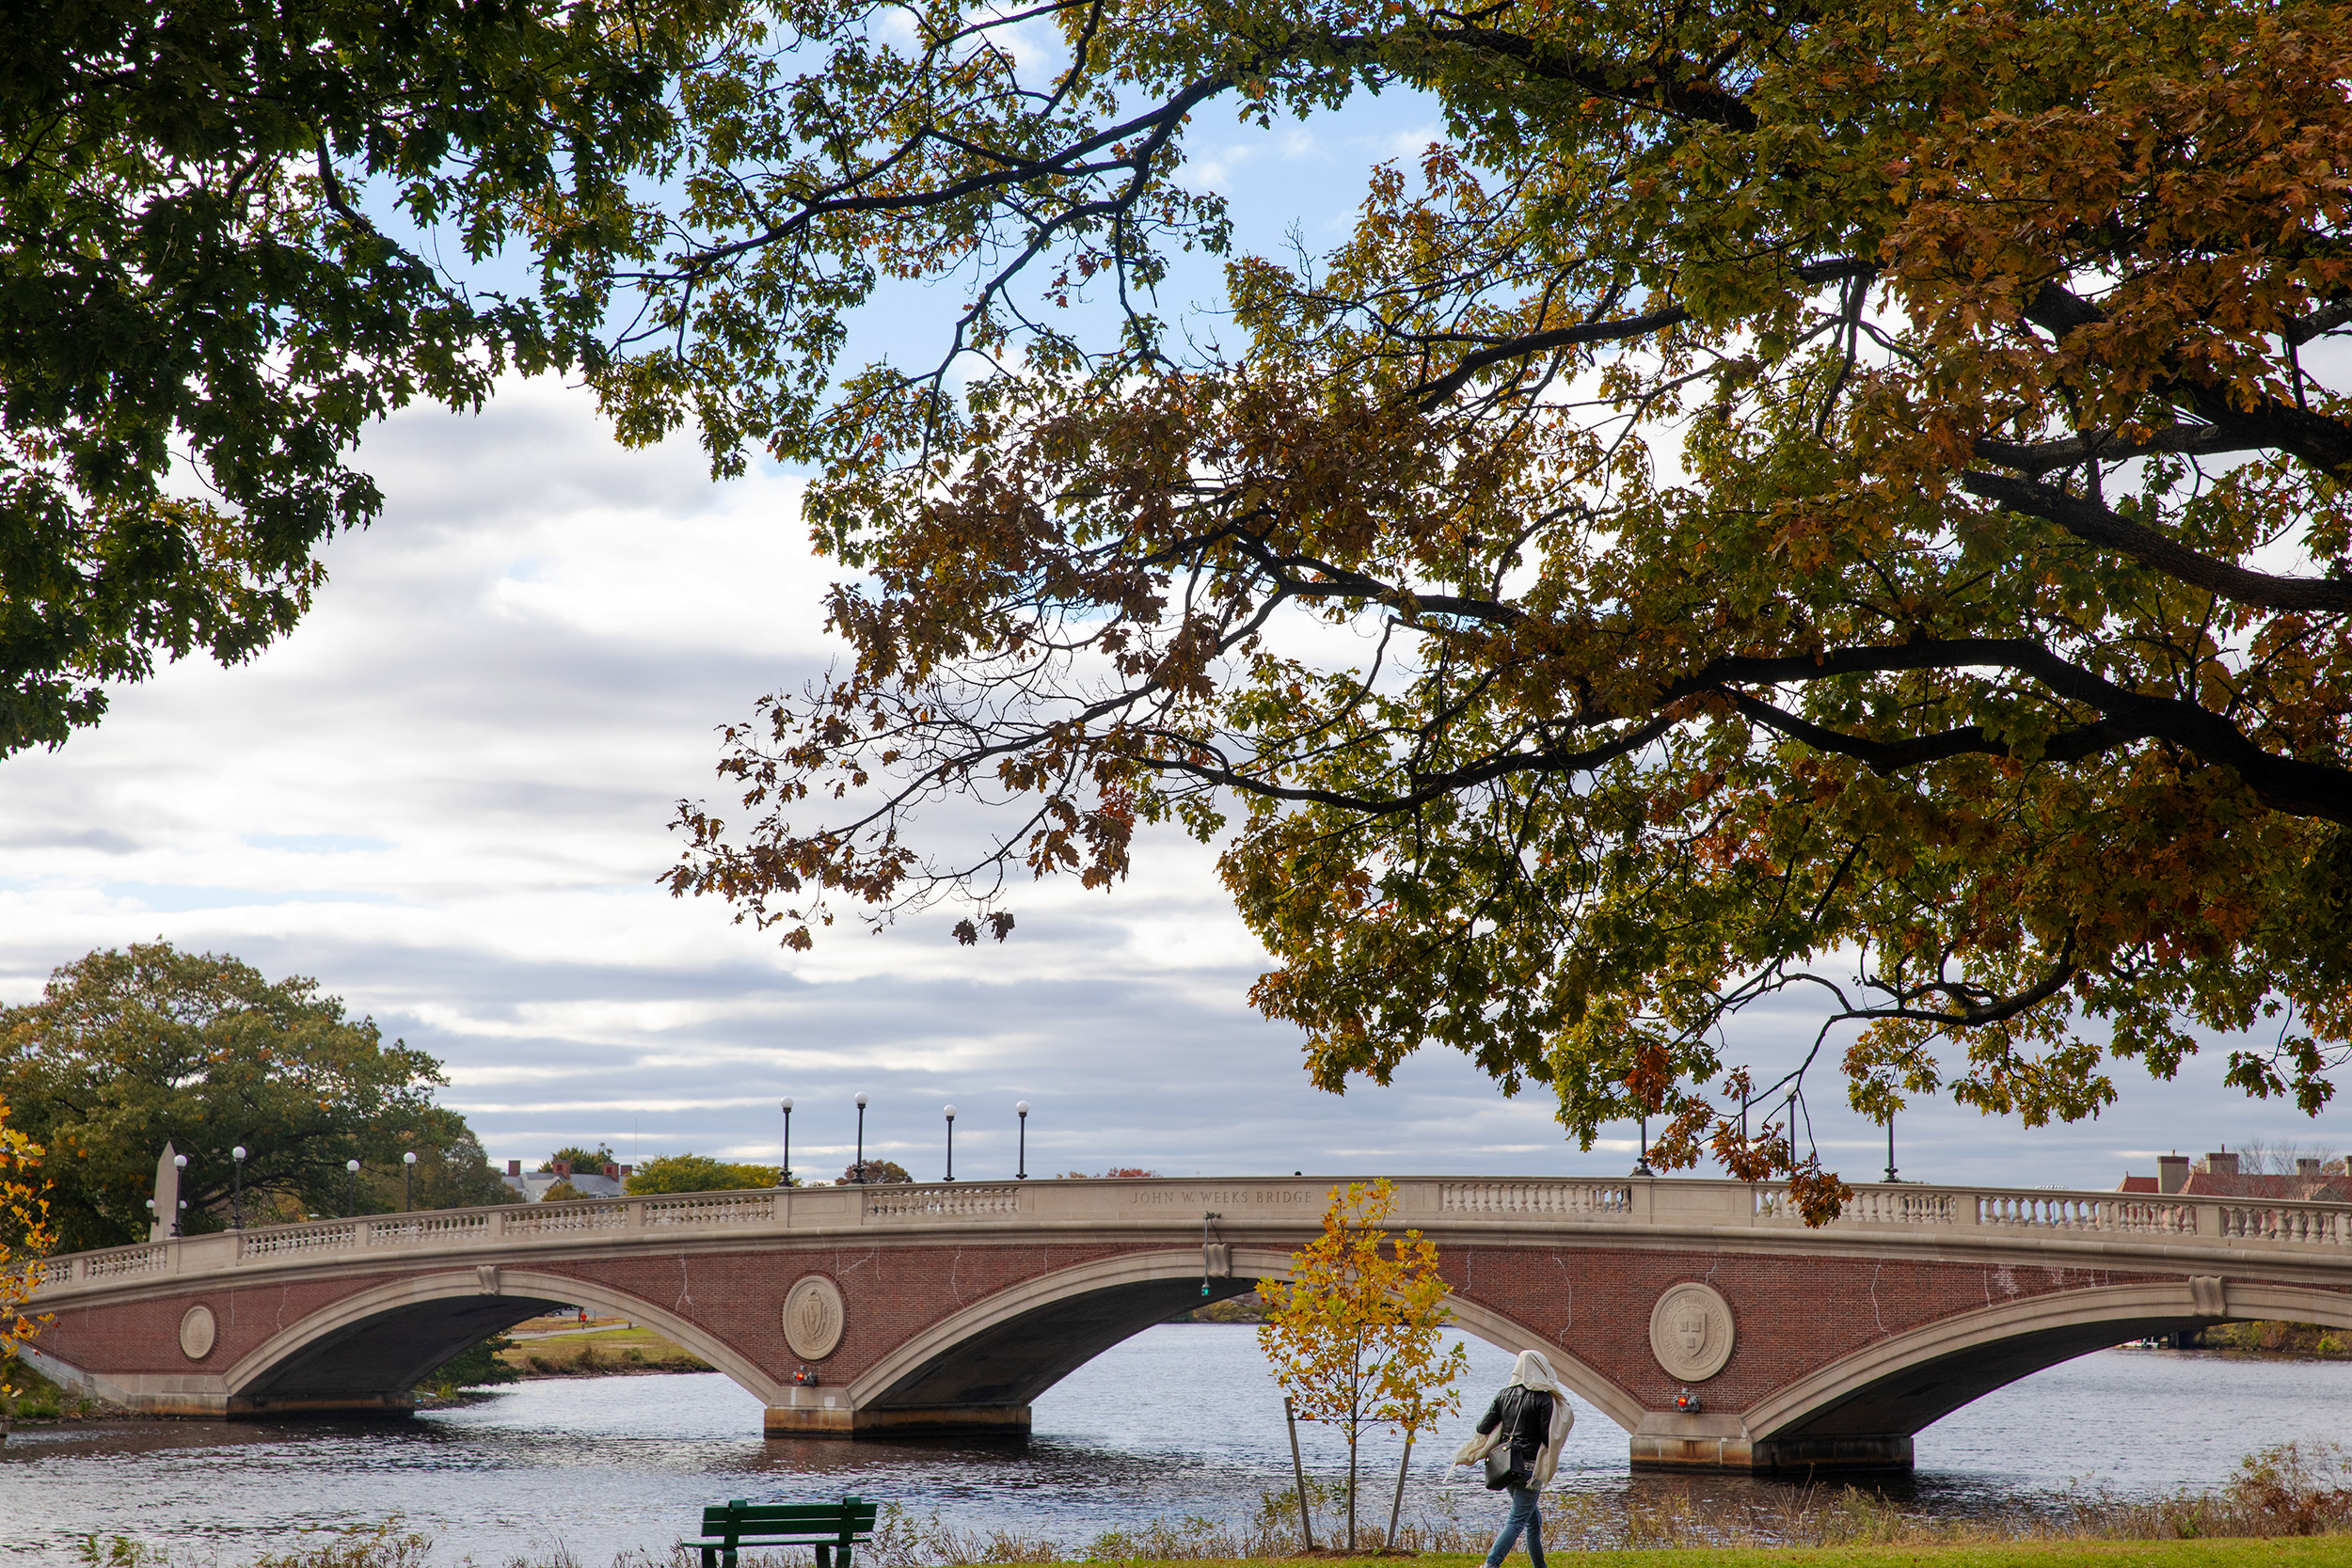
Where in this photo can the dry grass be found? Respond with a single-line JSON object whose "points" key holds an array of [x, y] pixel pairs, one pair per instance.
{"points": [[601, 1354], [2292, 1490], [2286, 1492]]}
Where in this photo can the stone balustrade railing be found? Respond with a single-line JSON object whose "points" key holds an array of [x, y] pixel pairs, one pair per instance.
{"points": [[1440, 1204]]}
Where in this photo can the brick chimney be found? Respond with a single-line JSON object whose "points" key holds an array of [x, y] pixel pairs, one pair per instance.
{"points": [[2223, 1163], [564, 1168], [2171, 1172], [2307, 1169], [628, 1171], [514, 1167], [612, 1171]]}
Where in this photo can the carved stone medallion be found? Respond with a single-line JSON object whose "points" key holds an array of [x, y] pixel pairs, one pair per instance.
{"points": [[197, 1333], [1690, 1332], [812, 1316]]}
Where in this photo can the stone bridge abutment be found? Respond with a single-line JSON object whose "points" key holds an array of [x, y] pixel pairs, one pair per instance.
{"points": [[949, 1309]]}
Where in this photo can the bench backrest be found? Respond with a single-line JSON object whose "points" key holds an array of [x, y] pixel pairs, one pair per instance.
{"points": [[845, 1520]]}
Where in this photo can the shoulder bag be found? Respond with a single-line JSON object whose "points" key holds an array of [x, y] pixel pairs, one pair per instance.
{"points": [[1500, 1471]]}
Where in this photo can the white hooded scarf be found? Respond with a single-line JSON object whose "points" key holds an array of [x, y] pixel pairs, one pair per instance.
{"points": [[1533, 1372]]}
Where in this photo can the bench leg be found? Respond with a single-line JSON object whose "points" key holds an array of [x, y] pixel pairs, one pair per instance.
{"points": [[844, 1555], [710, 1557]]}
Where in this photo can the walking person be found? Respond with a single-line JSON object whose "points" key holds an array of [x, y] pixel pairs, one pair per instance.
{"points": [[1519, 1439]]}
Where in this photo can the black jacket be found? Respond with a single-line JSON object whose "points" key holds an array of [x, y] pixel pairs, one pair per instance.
{"points": [[1526, 1415]]}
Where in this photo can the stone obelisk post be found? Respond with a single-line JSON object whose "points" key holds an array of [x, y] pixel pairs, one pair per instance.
{"points": [[166, 1195]]}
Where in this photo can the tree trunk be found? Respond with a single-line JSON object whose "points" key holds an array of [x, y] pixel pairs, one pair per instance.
{"points": [[1351, 1490], [1298, 1473], [1397, 1506]]}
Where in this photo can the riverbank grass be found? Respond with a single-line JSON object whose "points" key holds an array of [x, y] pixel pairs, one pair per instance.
{"points": [[600, 1354], [36, 1399], [2324, 1551]]}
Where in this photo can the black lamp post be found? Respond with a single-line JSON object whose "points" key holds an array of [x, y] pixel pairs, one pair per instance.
{"points": [[951, 1143], [407, 1181], [861, 1140], [1890, 1148], [1020, 1109], [236, 1192], [1640, 1156], [351, 1189], [787, 1179], [179, 1162]]}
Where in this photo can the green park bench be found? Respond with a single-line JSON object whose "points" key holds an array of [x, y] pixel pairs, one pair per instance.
{"points": [[830, 1528]]}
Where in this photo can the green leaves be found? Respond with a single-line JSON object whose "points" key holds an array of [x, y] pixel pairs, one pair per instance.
{"points": [[198, 315], [128, 1051], [698, 1173]]}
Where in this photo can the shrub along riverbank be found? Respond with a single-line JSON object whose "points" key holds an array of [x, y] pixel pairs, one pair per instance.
{"points": [[2293, 1341]]}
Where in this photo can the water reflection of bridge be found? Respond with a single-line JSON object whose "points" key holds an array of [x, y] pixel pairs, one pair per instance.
{"points": [[949, 1307]]}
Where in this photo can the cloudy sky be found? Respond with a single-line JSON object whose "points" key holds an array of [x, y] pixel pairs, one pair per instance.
{"points": [[446, 798]]}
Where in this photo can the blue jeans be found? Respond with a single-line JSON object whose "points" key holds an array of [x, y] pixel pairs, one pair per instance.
{"points": [[1524, 1516]]}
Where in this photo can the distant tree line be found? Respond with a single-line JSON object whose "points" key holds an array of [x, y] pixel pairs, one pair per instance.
{"points": [[128, 1051]]}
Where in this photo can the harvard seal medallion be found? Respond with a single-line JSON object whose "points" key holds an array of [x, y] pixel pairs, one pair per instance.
{"points": [[1689, 1331], [812, 1316], [197, 1331]]}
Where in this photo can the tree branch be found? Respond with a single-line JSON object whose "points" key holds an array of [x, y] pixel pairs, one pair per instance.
{"points": [[2321, 440], [2095, 524], [1883, 757], [1837, 270], [2324, 319], [2287, 784], [2105, 446], [1654, 83]]}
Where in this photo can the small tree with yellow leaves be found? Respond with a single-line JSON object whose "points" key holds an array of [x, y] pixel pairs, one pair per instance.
{"points": [[25, 1235], [1354, 1336]]}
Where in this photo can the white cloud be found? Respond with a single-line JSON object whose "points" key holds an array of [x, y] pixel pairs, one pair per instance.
{"points": [[446, 798]]}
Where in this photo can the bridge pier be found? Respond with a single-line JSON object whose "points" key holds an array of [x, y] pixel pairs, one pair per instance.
{"points": [[257, 1407], [815, 1419], [1666, 1441]]}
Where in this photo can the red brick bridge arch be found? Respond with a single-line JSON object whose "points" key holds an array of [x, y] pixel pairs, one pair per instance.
{"points": [[950, 1308]]}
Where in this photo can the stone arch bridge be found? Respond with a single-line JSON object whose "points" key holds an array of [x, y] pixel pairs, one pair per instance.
{"points": [[947, 1309]]}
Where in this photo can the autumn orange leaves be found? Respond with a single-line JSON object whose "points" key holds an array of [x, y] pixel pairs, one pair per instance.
{"points": [[1841, 509]]}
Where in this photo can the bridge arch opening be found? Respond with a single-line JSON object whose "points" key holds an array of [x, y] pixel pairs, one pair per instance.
{"points": [[1878, 1399], [981, 1367], [370, 1349]]}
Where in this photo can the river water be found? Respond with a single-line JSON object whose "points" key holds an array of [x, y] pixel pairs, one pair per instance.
{"points": [[1181, 1419]]}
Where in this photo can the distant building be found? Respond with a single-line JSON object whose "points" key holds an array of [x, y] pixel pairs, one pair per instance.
{"points": [[611, 1182], [2217, 1176]]}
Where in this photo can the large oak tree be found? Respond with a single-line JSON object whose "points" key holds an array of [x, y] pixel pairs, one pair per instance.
{"points": [[126, 1051], [1842, 500]]}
